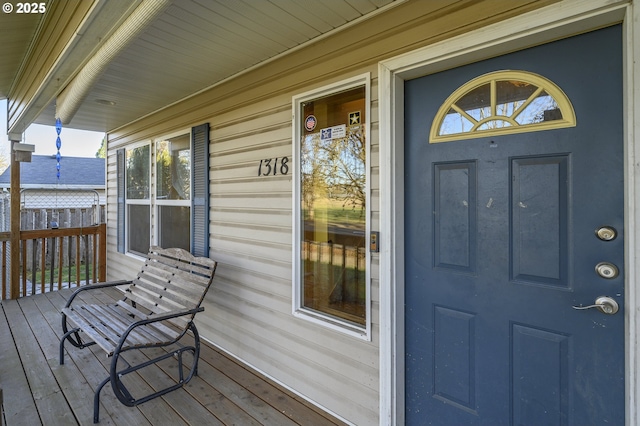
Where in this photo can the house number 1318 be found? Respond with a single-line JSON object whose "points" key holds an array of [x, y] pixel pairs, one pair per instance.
{"points": [[273, 166]]}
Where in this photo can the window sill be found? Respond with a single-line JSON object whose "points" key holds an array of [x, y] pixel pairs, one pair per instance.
{"points": [[362, 332]]}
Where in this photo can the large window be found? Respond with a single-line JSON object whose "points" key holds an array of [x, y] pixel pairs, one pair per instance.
{"points": [[168, 198], [332, 284], [163, 193]]}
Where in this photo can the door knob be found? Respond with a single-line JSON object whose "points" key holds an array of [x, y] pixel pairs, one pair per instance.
{"points": [[604, 304]]}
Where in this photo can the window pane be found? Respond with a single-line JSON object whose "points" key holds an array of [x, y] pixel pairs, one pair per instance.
{"points": [[511, 94], [138, 228], [455, 122], [477, 103], [542, 108], [173, 166], [332, 207], [174, 227], [138, 174]]}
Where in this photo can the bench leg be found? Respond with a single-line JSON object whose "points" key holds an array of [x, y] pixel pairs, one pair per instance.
{"points": [[64, 337], [196, 352], [96, 401], [120, 390]]}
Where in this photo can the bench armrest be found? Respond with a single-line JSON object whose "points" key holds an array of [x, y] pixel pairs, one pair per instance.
{"points": [[95, 287], [153, 319], [166, 316]]}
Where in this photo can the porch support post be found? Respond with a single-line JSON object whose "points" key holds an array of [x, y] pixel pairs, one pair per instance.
{"points": [[102, 253], [15, 225]]}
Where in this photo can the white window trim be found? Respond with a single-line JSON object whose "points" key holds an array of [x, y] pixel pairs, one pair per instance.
{"points": [[299, 311], [543, 25]]}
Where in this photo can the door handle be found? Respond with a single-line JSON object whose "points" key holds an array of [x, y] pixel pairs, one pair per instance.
{"points": [[604, 304]]}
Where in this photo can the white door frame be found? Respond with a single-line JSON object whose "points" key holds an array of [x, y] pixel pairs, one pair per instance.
{"points": [[562, 19]]}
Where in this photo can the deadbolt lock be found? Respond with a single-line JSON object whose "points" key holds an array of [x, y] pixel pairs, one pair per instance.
{"points": [[607, 270], [606, 233]]}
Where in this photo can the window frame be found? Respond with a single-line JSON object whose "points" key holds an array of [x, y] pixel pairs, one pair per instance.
{"points": [[156, 204], [543, 83], [298, 309], [136, 201], [153, 202]]}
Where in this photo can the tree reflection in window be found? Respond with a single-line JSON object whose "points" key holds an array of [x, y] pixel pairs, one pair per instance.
{"points": [[333, 206], [502, 102], [173, 192], [138, 217]]}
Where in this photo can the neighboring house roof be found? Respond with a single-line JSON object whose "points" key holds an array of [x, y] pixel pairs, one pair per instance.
{"points": [[75, 172]]}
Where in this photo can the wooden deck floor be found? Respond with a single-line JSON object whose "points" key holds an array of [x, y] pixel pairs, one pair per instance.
{"points": [[37, 390]]}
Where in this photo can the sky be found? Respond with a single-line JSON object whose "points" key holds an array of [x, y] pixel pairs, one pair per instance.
{"points": [[75, 143]]}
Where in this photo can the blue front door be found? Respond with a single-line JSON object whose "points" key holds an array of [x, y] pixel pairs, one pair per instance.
{"points": [[501, 244]]}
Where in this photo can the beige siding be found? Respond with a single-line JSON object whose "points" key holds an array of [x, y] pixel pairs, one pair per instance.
{"points": [[249, 311], [251, 234]]}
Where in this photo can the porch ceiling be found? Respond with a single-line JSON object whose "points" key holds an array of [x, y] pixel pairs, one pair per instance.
{"points": [[192, 45], [17, 33]]}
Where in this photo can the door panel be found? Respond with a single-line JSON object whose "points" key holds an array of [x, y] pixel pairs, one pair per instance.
{"points": [[500, 245], [455, 226], [539, 219]]}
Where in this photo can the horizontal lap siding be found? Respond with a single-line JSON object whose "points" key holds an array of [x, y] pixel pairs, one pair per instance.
{"points": [[251, 236], [248, 312]]}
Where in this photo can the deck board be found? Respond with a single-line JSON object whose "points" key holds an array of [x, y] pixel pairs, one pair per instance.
{"points": [[42, 382], [37, 390], [19, 406]]}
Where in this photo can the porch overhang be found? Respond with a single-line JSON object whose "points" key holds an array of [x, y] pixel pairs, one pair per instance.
{"points": [[99, 64]]}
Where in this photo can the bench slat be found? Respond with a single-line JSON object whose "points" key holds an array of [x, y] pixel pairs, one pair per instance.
{"points": [[107, 345], [106, 325], [196, 265], [163, 269], [160, 326], [180, 282], [119, 321], [152, 300], [171, 296]]}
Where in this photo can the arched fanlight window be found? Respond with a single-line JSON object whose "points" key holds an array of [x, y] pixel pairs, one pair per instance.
{"points": [[502, 102]]}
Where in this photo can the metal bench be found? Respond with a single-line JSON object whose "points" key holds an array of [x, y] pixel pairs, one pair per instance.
{"points": [[157, 311]]}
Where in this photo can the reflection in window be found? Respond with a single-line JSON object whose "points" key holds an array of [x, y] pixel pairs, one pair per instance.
{"points": [[333, 201], [173, 192], [138, 199], [138, 173], [502, 102], [173, 168]]}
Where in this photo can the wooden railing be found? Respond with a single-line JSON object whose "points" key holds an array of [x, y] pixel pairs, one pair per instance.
{"points": [[52, 259]]}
